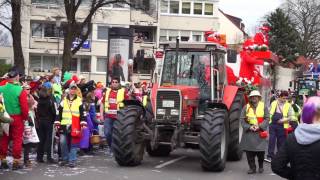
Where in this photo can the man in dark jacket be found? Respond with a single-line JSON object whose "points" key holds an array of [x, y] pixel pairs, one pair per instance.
{"points": [[299, 157], [47, 115]]}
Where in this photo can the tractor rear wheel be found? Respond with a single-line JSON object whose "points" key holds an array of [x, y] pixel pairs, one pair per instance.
{"points": [[234, 150], [127, 140], [214, 140], [160, 151]]}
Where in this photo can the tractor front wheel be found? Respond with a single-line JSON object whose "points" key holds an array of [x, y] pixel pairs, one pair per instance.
{"points": [[234, 150], [214, 135], [127, 140]]}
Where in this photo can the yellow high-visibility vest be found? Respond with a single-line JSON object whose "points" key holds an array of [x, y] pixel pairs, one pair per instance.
{"points": [[145, 100], [252, 116], [285, 112], [70, 110], [120, 98], [296, 113]]}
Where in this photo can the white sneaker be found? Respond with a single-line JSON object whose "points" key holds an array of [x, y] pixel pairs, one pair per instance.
{"points": [[267, 160]]}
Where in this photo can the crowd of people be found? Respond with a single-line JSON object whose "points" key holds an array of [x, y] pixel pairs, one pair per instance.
{"points": [[293, 131], [46, 112], [67, 111]]}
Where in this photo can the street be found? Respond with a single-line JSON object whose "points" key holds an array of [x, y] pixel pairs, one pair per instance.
{"points": [[180, 165]]}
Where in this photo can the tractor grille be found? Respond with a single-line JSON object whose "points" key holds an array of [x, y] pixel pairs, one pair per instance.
{"points": [[165, 95]]}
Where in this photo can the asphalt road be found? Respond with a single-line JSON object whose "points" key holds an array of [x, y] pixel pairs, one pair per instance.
{"points": [[180, 165]]}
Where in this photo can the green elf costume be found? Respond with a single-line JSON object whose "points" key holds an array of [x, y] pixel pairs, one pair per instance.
{"points": [[15, 101]]}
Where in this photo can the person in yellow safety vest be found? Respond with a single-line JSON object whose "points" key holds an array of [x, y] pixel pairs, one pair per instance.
{"points": [[296, 110], [70, 121], [281, 114], [254, 120], [110, 104]]}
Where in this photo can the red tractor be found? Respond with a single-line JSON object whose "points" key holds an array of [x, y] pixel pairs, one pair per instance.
{"points": [[193, 106]]}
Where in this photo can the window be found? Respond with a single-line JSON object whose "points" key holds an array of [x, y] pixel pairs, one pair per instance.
{"points": [[163, 35], [36, 29], [48, 63], [73, 64], [197, 9], [103, 32], [3, 61], [196, 36], [50, 30], [85, 65], [184, 35], [35, 63], [164, 6], [174, 7], [146, 5], [101, 65], [208, 9], [186, 7], [173, 34]]}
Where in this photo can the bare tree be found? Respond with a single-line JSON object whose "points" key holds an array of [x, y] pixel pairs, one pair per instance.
{"points": [[74, 28], [305, 14], [14, 27]]}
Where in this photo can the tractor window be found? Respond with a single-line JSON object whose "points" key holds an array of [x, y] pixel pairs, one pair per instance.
{"points": [[192, 69]]}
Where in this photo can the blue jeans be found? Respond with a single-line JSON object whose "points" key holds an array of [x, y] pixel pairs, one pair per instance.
{"points": [[68, 154], [108, 129]]}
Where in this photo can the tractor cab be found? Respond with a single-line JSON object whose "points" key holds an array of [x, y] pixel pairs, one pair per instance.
{"points": [[192, 75]]}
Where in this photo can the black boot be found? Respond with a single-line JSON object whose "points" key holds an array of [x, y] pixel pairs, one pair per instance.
{"points": [[251, 171]]}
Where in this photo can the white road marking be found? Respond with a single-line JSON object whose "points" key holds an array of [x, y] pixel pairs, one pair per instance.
{"points": [[170, 162]]}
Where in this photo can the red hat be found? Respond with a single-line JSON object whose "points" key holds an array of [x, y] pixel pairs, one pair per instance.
{"points": [[75, 78], [265, 28]]}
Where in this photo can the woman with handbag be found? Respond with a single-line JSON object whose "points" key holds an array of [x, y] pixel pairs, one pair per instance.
{"points": [[254, 121], [30, 136], [92, 124], [70, 122]]}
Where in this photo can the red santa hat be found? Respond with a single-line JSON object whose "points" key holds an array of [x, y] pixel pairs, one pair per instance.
{"points": [[74, 78], [265, 28]]}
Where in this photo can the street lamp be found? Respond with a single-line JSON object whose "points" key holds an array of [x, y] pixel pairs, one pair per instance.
{"points": [[58, 25]]}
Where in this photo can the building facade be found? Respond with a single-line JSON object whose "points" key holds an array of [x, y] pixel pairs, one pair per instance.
{"points": [[42, 40]]}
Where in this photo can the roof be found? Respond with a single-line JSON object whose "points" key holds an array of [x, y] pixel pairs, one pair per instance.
{"points": [[236, 21], [192, 45]]}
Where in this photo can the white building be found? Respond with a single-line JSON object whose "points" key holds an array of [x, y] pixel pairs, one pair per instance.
{"points": [[171, 18]]}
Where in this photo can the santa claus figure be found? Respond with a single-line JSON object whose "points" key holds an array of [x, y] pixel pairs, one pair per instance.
{"points": [[248, 72], [261, 38]]}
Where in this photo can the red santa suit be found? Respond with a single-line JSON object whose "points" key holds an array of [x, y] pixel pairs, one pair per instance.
{"points": [[247, 66]]}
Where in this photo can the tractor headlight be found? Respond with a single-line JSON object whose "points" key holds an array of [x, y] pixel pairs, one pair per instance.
{"points": [[161, 111], [174, 112]]}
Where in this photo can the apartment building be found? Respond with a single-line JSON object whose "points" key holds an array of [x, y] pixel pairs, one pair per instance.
{"points": [[42, 40]]}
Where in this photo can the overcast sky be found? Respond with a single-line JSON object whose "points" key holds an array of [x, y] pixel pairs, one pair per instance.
{"points": [[250, 11]]}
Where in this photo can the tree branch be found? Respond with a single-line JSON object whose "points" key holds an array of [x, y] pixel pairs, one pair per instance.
{"points": [[5, 26]]}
